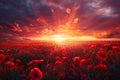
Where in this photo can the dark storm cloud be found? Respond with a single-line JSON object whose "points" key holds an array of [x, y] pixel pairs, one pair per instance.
{"points": [[27, 17], [10, 10], [18, 11]]}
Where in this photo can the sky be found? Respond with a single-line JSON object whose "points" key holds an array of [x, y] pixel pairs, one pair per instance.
{"points": [[22, 19]]}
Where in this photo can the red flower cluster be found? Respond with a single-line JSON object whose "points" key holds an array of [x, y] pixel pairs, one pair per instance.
{"points": [[84, 62]]}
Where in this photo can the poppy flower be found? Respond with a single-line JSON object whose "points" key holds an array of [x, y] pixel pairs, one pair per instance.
{"points": [[89, 67], [18, 61], [1, 52], [64, 59], [83, 62], [101, 56], [92, 46], [53, 71], [101, 66], [9, 64], [58, 63], [48, 65], [61, 75], [115, 47], [110, 52], [21, 67], [76, 59], [2, 57], [57, 58], [35, 62], [36, 74]]}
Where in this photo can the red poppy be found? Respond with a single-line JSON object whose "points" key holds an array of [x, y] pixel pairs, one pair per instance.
{"points": [[101, 56], [92, 46], [53, 70], [89, 67], [101, 66], [48, 65], [64, 59], [1, 52], [9, 64], [36, 74], [35, 62], [61, 75], [115, 47], [83, 62], [57, 58], [110, 52], [21, 67], [2, 57], [18, 61], [101, 49], [76, 59], [58, 63]]}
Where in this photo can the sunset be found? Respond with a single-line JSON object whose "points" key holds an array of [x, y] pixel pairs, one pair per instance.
{"points": [[59, 39], [27, 18]]}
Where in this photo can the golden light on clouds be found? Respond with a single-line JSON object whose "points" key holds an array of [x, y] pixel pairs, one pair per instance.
{"points": [[100, 34], [75, 20], [60, 38], [68, 10], [63, 34]]}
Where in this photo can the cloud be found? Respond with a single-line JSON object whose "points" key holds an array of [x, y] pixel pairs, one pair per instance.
{"points": [[16, 28], [25, 18], [102, 8]]}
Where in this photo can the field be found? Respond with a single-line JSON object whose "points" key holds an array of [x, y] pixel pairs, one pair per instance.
{"points": [[50, 61]]}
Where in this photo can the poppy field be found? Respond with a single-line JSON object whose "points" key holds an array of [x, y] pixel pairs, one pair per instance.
{"points": [[47, 61]]}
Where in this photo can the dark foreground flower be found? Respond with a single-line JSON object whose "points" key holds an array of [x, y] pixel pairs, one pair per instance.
{"points": [[35, 74]]}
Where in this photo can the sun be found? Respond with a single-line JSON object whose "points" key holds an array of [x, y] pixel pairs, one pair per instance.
{"points": [[64, 39], [63, 35], [58, 38]]}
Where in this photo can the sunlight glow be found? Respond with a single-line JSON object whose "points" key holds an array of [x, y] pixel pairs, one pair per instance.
{"points": [[60, 38]]}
